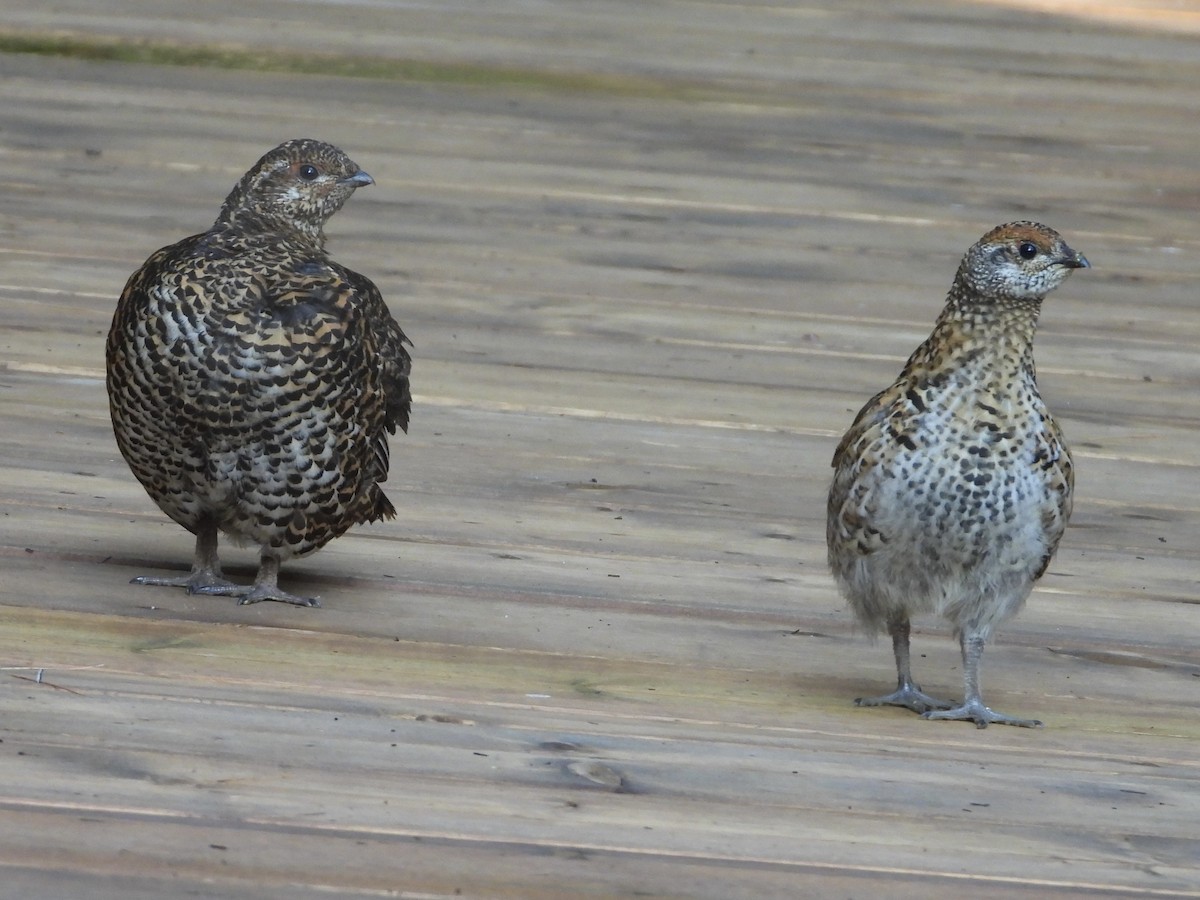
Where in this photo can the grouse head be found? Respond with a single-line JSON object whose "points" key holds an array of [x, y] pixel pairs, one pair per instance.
{"points": [[294, 188], [1018, 261]]}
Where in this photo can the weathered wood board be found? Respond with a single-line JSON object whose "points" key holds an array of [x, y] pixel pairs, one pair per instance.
{"points": [[653, 257]]}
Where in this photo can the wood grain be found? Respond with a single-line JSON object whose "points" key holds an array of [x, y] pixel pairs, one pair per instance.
{"points": [[652, 266]]}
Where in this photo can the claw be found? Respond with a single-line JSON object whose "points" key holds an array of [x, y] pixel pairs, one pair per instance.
{"points": [[198, 582], [982, 716], [909, 696]]}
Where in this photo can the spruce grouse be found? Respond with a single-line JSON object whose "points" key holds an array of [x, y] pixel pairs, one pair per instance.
{"points": [[253, 382], [953, 486]]}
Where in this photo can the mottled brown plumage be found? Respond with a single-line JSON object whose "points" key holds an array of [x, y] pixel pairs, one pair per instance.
{"points": [[253, 382], [953, 486]]}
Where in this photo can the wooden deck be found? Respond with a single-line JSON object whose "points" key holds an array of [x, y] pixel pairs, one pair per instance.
{"points": [[653, 257]]}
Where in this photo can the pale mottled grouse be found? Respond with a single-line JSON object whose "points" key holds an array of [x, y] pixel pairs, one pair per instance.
{"points": [[953, 487], [253, 382]]}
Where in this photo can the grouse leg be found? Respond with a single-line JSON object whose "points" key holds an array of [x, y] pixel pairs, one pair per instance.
{"points": [[972, 708], [907, 693], [206, 567]]}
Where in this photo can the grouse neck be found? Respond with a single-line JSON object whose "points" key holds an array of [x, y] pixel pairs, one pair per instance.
{"points": [[251, 229], [1006, 324], [247, 214], [976, 337]]}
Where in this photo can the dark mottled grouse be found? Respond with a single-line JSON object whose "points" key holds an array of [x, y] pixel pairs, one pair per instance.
{"points": [[253, 382], [953, 487]]}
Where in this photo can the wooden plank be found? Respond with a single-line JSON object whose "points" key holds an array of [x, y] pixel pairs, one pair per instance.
{"points": [[652, 267]]}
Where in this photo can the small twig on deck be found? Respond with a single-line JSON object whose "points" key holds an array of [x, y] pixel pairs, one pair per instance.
{"points": [[37, 679]]}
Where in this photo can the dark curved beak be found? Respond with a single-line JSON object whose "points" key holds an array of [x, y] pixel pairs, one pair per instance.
{"points": [[1076, 261], [358, 179]]}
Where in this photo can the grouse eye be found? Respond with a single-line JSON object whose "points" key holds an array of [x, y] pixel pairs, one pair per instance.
{"points": [[1027, 250], [309, 172]]}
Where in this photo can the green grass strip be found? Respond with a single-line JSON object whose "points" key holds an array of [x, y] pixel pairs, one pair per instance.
{"points": [[164, 53]]}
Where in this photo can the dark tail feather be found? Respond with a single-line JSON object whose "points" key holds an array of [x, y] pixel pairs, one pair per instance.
{"points": [[383, 508]]}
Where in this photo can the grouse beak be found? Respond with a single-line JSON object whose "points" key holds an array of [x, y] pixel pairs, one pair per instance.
{"points": [[358, 179], [1077, 261]]}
